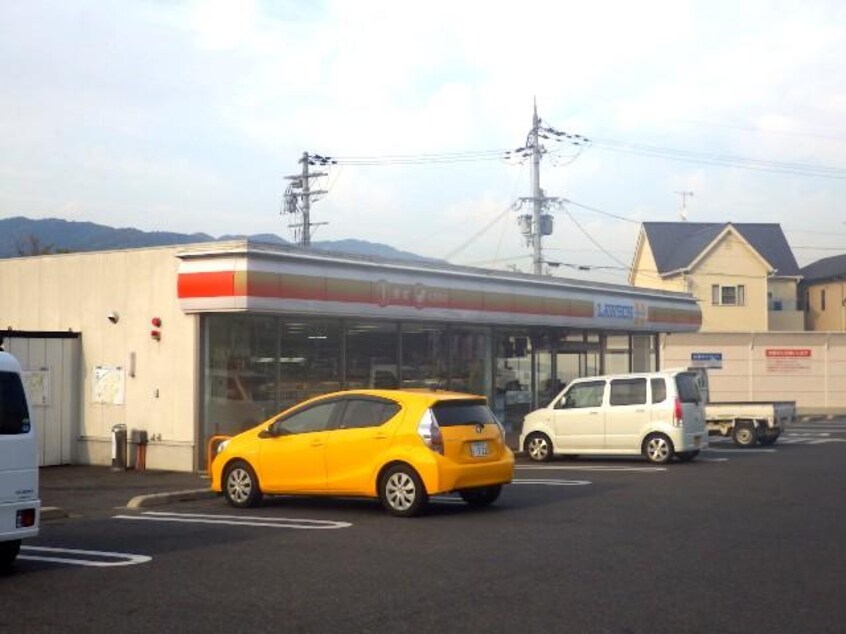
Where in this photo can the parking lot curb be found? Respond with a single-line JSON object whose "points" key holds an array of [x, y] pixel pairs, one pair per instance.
{"points": [[158, 499], [52, 513]]}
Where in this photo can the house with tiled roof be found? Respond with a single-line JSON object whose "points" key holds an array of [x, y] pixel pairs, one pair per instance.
{"points": [[823, 289], [743, 274]]}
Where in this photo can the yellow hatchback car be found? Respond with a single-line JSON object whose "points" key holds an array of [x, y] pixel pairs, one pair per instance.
{"points": [[399, 446]]}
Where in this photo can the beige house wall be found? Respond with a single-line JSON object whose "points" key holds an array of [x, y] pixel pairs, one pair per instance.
{"points": [[783, 312], [833, 318], [786, 321], [783, 290], [731, 262], [645, 271], [806, 367], [76, 292]]}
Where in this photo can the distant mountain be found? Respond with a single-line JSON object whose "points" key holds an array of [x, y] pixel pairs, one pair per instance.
{"points": [[24, 236]]}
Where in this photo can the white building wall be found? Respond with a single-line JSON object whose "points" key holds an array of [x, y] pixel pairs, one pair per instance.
{"points": [[806, 367], [76, 292]]}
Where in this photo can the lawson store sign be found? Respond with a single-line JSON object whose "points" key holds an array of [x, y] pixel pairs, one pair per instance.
{"points": [[621, 312]]}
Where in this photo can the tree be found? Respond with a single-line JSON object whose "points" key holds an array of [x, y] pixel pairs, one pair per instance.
{"points": [[32, 245]]}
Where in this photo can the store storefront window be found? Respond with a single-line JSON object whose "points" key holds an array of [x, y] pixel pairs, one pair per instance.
{"points": [[309, 359], [644, 357], [617, 354], [371, 355], [240, 374], [512, 398], [470, 361], [424, 356]]}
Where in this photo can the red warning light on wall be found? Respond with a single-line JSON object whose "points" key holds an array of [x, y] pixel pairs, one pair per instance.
{"points": [[156, 334], [157, 322]]}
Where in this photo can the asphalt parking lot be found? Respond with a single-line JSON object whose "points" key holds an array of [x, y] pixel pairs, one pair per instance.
{"points": [[741, 540]]}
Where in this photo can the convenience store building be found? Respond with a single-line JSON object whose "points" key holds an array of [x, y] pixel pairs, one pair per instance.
{"points": [[191, 341]]}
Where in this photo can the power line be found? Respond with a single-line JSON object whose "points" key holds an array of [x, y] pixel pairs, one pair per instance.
{"points": [[757, 130], [721, 160], [476, 235], [591, 238], [599, 211], [418, 159]]}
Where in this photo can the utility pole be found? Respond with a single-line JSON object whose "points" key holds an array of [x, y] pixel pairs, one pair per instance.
{"points": [[537, 224], [537, 193], [298, 200]]}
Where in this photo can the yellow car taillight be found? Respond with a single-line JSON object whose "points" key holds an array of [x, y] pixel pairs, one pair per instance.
{"points": [[430, 432]]}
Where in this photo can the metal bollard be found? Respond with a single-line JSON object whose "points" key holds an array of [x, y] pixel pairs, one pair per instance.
{"points": [[119, 447], [140, 439]]}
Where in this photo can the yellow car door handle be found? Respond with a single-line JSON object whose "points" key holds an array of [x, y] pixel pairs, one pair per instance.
{"points": [[317, 443]]}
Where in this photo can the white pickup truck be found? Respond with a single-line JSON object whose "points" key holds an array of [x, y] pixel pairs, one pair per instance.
{"points": [[747, 422]]}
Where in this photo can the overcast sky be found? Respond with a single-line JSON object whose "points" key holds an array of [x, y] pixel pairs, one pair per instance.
{"points": [[186, 116]]}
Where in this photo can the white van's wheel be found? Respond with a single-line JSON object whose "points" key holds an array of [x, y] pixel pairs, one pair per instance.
{"points": [[686, 456], [539, 447], [658, 449], [8, 552]]}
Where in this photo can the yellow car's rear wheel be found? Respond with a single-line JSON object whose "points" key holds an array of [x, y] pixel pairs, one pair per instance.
{"points": [[481, 496], [402, 492]]}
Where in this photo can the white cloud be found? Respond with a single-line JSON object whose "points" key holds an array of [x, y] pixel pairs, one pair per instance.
{"points": [[186, 115]]}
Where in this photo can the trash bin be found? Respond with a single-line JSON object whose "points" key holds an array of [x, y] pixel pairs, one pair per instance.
{"points": [[139, 439], [119, 447]]}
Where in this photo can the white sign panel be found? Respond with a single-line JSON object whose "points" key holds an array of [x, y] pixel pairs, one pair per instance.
{"points": [[37, 385], [109, 384]]}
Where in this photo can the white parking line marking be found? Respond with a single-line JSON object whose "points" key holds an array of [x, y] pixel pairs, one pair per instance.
{"points": [[741, 450], [120, 559], [236, 520], [588, 468], [713, 460], [553, 482]]}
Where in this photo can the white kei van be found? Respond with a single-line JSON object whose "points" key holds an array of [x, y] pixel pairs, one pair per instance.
{"points": [[20, 506], [657, 414]]}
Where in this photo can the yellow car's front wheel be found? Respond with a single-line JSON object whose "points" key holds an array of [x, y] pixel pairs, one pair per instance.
{"points": [[240, 485]]}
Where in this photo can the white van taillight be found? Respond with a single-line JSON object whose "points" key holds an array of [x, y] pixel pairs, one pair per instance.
{"points": [[429, 430], [25, 518], [678, 413]]}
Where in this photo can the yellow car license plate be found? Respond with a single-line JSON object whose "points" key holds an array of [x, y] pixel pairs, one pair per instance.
{"points": [[479, 449]]}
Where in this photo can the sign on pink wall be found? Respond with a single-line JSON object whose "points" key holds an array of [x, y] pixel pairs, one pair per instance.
{"points": [[788, 360]]}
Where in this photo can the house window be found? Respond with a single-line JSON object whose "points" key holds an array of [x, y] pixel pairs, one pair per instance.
{"points": [[728, 295], [822, 299]]}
